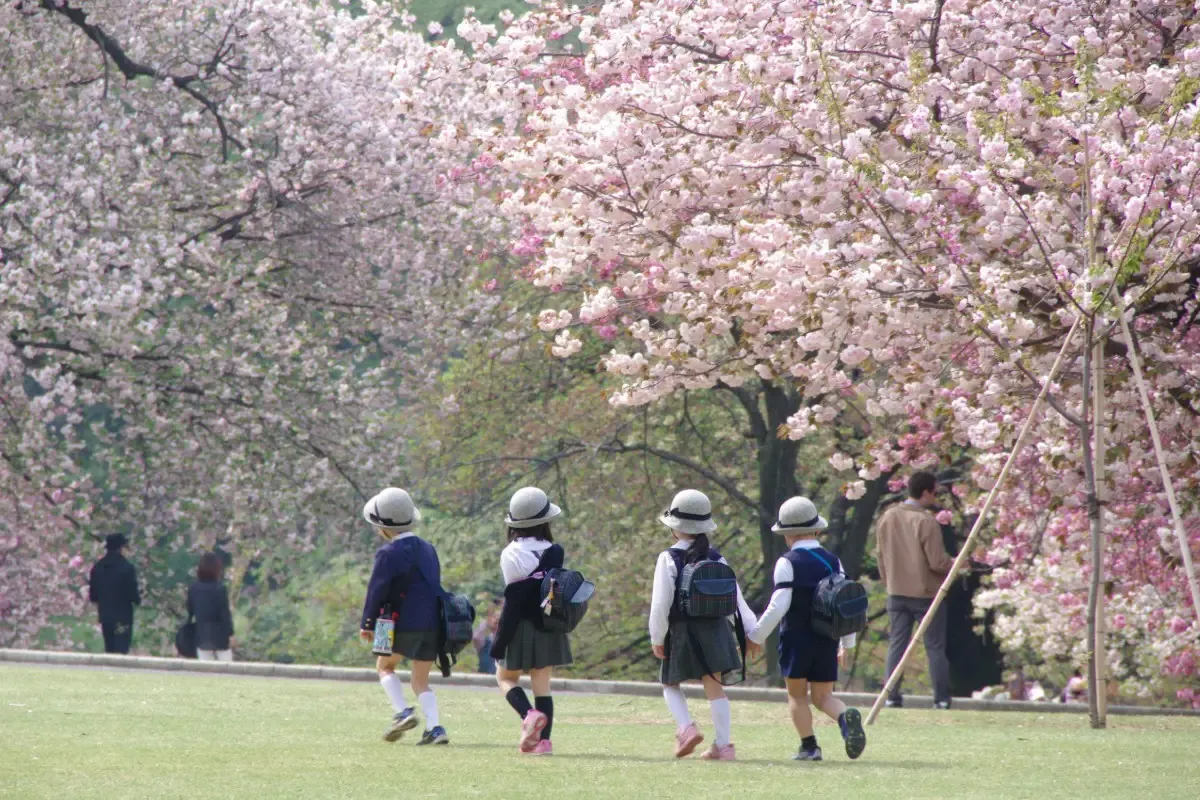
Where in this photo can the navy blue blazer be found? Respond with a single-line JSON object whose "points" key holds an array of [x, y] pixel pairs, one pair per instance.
{"points": [[406, 580]]}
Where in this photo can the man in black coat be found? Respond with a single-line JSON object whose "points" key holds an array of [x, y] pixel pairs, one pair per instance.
{"points": [[113, 587]]}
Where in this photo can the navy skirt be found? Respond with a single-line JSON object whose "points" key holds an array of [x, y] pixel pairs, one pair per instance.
{"points": [[804, 654], [699, 647], [533, 648]]}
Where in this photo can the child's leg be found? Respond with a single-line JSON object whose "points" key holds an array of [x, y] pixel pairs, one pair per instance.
{"points": [[848, 719], [539, 679], [386, 667], [822, 698], [797, 689], [510, 683], [425, 695], [718, 704], [677, 705]]}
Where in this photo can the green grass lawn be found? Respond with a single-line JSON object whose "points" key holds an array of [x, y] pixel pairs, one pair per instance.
{"points": [[96, 733]]}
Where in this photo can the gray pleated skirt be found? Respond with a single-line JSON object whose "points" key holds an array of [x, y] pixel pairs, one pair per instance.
{"points": [[718, 646], [532, 648], [416, 645]]}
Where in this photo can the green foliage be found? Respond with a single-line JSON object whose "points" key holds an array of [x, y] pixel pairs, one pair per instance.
{"points": [[312, 620]]}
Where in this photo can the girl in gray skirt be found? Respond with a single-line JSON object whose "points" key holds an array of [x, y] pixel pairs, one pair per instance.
{"points": [[520, 644], [693, 649]]}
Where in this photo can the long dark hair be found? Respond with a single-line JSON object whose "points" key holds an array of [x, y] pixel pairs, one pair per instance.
{"points": [[210, 567], [698, 551], [540, 532]]}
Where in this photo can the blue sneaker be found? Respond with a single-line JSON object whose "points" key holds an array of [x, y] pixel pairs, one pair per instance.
{"points": [[406, 720], [436, 735], [808, 754], [852, 731]]}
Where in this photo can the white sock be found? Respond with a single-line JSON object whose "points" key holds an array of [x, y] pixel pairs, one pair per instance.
{"points": [[395, 690], [721, 721], [428, 703], [677, 705]]}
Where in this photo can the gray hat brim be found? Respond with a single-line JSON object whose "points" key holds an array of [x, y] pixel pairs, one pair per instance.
{"points": [[366, 513], [694, 527], [820, 526], [554, 512]]}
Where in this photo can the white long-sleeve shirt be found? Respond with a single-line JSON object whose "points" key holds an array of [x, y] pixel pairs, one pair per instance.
{"points": [[520, 558], [781, 599], [663, 596]]}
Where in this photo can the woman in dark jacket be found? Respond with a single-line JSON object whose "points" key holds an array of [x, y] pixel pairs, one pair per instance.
{"points": [[208, 606]]}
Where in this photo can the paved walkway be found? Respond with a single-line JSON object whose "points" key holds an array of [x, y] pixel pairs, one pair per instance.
{"points": [[584, 686]]}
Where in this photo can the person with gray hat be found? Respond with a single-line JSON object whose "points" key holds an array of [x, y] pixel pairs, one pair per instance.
{"points": [[406, 584], [696, 647], [521, 645], [807, 660], [113, 587]]}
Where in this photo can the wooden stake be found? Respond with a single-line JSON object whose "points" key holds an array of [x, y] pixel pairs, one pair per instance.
{"points": [[1098, 449], [965, 551], [1184, 548]]}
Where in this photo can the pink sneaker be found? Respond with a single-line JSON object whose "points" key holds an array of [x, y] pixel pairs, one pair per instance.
{"points": [[686, 739], [720, 752], [542, 748], [531, 730]]}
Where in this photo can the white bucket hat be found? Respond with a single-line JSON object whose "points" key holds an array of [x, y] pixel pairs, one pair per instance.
{"points": [[530, 507], [690, 512], [392, 509], [799, 515]]}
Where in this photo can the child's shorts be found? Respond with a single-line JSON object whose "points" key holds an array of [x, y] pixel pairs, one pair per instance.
{"points": [[804, 654]]}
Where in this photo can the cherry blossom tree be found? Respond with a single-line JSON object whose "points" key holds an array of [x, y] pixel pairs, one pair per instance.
{"points": [[895, 210], [229, 250]]}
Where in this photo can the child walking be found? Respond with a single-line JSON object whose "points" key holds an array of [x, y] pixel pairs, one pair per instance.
{"points": [[691, 648], [808, 661], [520, 644], [406, 582]]}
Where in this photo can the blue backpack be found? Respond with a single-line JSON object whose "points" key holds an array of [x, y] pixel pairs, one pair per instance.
{"points": [[839, 605]]}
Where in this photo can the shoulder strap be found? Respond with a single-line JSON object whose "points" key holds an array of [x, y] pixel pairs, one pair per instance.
{"points": [[818, 557]]}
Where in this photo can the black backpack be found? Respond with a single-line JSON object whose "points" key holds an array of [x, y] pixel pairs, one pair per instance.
{"points": [[839, 605], [565, 595], [707, 590]]}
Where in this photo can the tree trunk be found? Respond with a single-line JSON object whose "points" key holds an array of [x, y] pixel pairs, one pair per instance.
{"points": [[850, 542]]}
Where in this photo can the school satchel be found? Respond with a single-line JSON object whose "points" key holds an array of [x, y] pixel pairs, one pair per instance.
{"points": [[565, 595], [839, 605], [185, 639], [707, 590], [456, 629]]}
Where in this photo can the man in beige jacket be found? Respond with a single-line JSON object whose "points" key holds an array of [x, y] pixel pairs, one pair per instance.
{"points": [[913, 563]]}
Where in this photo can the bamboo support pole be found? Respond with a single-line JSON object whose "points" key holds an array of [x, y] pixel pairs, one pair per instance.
{"points": [[1098, 448], [1184, 548], [965, 551]]}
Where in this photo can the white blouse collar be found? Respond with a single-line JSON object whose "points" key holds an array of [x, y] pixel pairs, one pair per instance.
{"points": [[530, 544], [806, 544]]}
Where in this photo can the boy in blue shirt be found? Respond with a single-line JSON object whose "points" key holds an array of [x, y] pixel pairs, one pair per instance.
{"points": [[807, 660]]}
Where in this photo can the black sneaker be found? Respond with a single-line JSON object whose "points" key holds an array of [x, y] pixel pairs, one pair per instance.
{"points": [[897, 703], [435, 735], [811, 754], [406, 720], [853, 733]]}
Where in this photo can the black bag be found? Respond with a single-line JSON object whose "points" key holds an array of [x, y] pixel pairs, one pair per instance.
{"points": [[565, 595], [458, 623], [707, 590], [185, 639], [839, 605]]}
